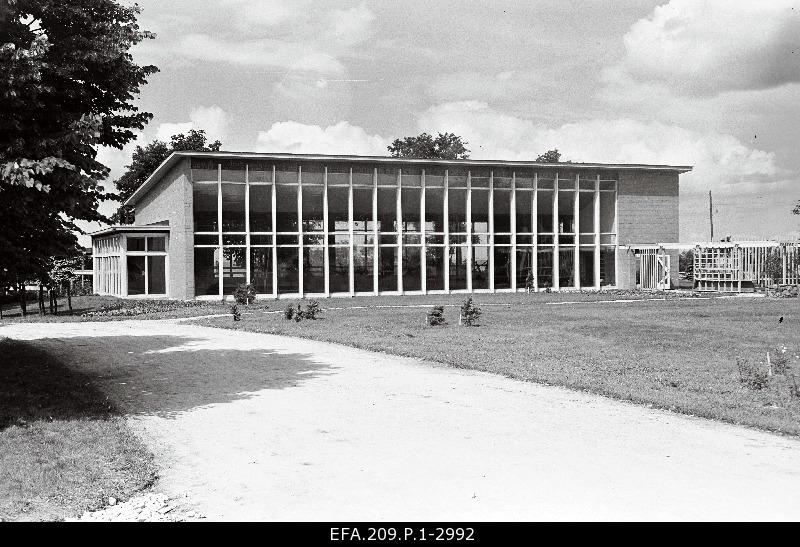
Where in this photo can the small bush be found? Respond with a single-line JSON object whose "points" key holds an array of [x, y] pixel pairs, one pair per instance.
{"points": [[470, 313], [288, 312], [299, 314], [436, 316], [237, 315], [244, 294], [778, 360], [530, 282], [312, 310], [753, 376]]}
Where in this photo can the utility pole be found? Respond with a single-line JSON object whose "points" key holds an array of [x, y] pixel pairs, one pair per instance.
{"points": [[711, 214]]}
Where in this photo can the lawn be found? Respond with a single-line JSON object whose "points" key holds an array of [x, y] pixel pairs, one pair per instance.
{"points": [[63, 447], [678, 354]]}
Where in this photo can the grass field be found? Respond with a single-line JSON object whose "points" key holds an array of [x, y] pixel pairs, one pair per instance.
{"points": [[63, 447], [678, 354]]}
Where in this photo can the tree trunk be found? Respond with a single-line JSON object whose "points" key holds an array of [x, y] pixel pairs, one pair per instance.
{"points": [[41, 300], [22, 295], [54, 292], [69, 296]]}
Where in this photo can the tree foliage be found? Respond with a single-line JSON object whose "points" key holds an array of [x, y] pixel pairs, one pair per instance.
{"points": [[146, 159], [67, 82], [551, 156], [446, 146]]}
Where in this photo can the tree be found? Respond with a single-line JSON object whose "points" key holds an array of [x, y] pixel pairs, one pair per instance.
{"points": [[67, 82], [446, 146], [551, 156], [146, 159]]}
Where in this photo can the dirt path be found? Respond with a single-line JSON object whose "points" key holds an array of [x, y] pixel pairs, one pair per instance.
{"points": [[295, 429]]}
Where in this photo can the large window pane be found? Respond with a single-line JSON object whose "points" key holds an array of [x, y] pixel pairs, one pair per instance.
{"points": [[480, 211], [434, 210], [458, 268], [261, 208], [363, 268], [412, 269], [363, 175], [586, 268], [502, 211], [435, 266], [362, 209], [338, 200], [412, 176], [156, 244], [457, 209], [288, 270], [586, 212], [206, 271], [566, 267], [387, 209], [524, 205], [312, 209], [387, 269], [313, 269], [608, 264], [502, 267], [286, 205], [205, 207], [233, 268], [135, 275], [480, 267], [607, 211], [261, 269], [410, 198], [566, 212], [544, 212], [524, 265], [339, 276], [233, 207], [544, 267], [156, 275]]}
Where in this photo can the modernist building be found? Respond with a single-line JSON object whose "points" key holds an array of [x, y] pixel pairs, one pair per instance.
{"points": [[316, 225]]}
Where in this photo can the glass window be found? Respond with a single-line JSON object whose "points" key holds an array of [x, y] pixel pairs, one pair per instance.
{"points": [[387, 269], [435, 267], [260, 208], [387, 209], [566, 212], [204, 198], [434, 176], [458, 268], [260, 172], [411, 176], [544, 267], [502, 267], [586, 212], [586, 267], [286, 205], [136, 244], [524, 266], [479, 178], [502, 178], [206, 271], [544, 212], [480, 267], [502, 211], [412, 269], [457, 209], [434, 210], [410, 198], [233, 171], [457, 177], [363, 268], [566, 267], [156, 244], [312, 209], [362, 209], [480, 211], [339, 175], [312, 174], [156, 275], [524, 212], [286, 173], [313, 269], [523, 179], [387, 176], [363, 175], [608, 260], [607, 211], [234, 270], [233, 207], [288, 270], [206, 240], [339, 276], [261, 269], [204, 171], [338, 204], [135, 275]]}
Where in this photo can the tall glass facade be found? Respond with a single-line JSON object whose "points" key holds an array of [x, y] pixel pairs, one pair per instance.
{"points": [[338, 227]]}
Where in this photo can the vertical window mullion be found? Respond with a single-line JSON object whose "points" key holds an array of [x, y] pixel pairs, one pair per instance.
{"points": [[596, 227], [576, 273], [220, 269], [300, 259], [513, 217], [446, 213], [469, 231], [399, 229], [535, 229], [325, 245], [376, 242], [351, 232], [424, 249], [247, 222], [491, 231], [556, 283], [274, 199]]}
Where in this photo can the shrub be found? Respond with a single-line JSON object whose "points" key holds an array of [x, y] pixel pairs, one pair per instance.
{"points": [[237, 315], [299, 314], [529, 281], [778, 360], [752, 375], [244, 294], [312, 310], [288, 312], [436, 316], [470, 313]]}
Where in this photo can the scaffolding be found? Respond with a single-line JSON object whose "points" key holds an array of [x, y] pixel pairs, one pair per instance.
{"points": [[728, 267]]}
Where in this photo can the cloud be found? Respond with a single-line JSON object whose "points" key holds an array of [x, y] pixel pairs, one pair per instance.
{"points": [[211, 118], [298, 138], [351, 26], [706, 47], [720, 161], [474, 85]]}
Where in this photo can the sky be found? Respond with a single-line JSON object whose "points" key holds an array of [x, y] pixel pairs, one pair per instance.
{"points": [[710, 83]]}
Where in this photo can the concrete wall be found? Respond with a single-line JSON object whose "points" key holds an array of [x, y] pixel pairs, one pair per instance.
{"points": [[647, 207], [170, 200]]}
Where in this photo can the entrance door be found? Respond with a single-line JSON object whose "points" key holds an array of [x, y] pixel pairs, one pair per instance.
{"points": [[654, 271]]}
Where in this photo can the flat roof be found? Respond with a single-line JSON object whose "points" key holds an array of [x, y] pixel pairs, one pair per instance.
{"points": [[173, 158], [121, 228]]}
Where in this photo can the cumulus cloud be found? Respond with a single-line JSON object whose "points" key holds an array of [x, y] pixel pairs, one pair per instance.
{"points": [[213, 119], [720, 161], [474, 85], [708, 47], [298, 138]]}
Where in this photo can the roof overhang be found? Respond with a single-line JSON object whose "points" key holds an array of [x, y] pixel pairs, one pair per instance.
{"points": [[120, 229], [175, 157]]}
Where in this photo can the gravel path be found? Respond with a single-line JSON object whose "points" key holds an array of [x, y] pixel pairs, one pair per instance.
{"points": [[334, 433]]}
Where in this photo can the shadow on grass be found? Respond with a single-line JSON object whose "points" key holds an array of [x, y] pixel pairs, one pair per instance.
{"points": [[98, 377]]}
